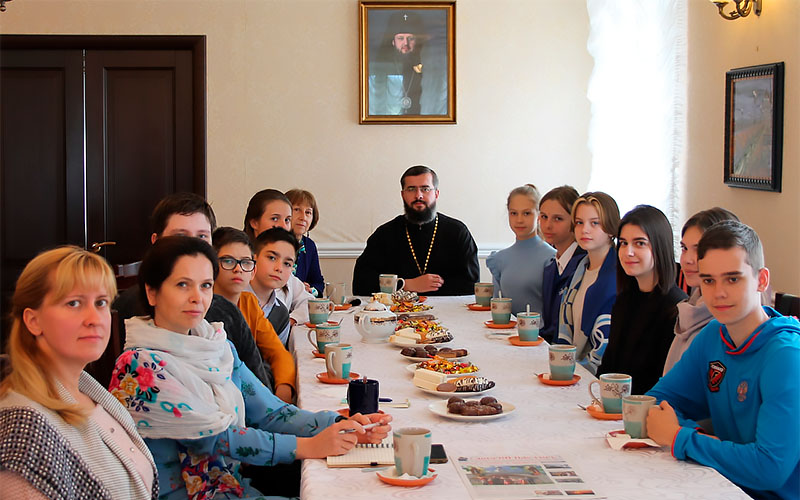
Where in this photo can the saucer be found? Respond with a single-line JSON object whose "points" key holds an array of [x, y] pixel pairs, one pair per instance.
{"points": [[317, 354], [491, 324], [524, 343], [596, 412], [545, 379], [476, 307], [325, 379], [342, 307], [312, 325], [389, 476]]}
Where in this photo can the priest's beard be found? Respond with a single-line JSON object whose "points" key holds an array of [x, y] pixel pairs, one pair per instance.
{"points": [[420, 216]]}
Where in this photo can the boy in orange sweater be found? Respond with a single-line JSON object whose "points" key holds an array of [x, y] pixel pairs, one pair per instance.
{"points": [[236, 268]]}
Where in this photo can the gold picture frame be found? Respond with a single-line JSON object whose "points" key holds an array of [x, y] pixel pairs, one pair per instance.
{"points": [[407, 62]]}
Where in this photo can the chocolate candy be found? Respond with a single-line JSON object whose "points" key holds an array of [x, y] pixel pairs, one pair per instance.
{"points": [[473, 407]]}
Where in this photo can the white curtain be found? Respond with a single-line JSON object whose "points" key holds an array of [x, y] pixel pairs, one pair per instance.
{"points": [[637, 91]]}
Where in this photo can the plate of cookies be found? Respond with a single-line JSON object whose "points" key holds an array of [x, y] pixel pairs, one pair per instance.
{"points": [[464, 387], [471, 410], [424, 353]]}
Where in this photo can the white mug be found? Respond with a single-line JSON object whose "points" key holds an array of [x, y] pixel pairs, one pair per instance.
{"points": [[412, 451], [338, 358], [390, 283]]}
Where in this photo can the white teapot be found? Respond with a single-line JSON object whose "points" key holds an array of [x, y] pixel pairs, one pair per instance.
{"points": [[375, 322]]}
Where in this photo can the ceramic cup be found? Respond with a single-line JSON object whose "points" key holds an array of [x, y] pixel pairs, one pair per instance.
{"points": [[337, 360], [501, 311], [483, 293], [390, 283], [528, 325], [324, 335], [336, 292], [613, 387], [562, 362], [412, 451], [319, 310], [362, 396], [634, 415]]}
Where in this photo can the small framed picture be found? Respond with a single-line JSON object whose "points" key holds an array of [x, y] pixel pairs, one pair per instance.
{"points": [[754, 127], [407, 62]]}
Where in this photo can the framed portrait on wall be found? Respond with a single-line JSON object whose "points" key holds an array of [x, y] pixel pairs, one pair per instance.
{"points": [[407, 62], [754, 127]]}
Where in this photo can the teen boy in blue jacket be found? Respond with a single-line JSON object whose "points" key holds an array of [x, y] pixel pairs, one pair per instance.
{"points": [[742, 371]]}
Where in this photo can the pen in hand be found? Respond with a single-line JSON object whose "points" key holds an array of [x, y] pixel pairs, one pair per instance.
{"points": [[365, 427]]}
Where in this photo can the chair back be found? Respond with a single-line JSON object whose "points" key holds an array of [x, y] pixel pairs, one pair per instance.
{"points": [[5, 366], [787, 304]]}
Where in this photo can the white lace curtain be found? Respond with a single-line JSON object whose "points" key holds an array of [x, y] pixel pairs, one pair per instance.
{"points": [[637, 90]]}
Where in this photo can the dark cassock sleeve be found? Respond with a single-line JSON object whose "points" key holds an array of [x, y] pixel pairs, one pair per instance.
{"points": [[238, 332], [378, 256]]}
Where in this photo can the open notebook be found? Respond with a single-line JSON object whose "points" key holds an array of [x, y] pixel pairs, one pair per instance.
{"points": [[366, 455]]}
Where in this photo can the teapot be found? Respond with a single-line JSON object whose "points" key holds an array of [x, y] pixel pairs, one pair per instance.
{"points": [[375, 322]]}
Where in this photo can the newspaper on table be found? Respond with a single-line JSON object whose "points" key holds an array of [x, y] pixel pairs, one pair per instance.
{"points": [[522, 477]]}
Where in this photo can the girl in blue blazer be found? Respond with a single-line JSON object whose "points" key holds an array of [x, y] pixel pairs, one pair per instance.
{"points": [[585, 312]]}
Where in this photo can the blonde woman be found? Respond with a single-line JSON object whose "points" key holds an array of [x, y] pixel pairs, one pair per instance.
{"points": [[54, 413]]}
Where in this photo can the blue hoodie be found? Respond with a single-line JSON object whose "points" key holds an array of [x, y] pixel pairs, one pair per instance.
{"points": [[751, 393]]}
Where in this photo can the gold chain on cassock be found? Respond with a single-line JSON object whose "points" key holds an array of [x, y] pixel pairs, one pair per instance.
{"points": [[422, 270]]}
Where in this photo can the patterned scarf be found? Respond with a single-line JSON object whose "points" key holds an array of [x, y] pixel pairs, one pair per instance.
{"points": [[177, 386]]}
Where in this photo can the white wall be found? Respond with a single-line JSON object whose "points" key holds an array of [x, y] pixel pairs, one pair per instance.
{"points": [[283, 109], [716, 46], [283, 105]]}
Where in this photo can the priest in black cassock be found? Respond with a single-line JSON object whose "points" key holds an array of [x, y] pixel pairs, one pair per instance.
{"points": [[434, 254]]}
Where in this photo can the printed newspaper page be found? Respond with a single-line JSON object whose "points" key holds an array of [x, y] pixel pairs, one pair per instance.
{"points": [[522, 477]]}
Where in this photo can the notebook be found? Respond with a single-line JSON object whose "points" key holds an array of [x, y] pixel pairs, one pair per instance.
{"points": [[366, 455]]}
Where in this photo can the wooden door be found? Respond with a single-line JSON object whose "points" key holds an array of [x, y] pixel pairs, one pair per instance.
{"points": [[41, 157], [92, 135], [139, 122]]}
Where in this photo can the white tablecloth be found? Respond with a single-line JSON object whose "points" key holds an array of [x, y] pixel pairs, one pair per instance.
{"points": [[547, 421]]}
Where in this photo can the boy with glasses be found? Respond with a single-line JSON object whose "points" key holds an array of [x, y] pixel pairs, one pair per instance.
{"points": [[237, 265]]}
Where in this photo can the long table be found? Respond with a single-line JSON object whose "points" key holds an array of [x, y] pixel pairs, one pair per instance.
{"points": [[547, 420]]}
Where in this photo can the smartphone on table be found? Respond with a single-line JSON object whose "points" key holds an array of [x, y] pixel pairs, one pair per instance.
{"points": [[438, 456]]}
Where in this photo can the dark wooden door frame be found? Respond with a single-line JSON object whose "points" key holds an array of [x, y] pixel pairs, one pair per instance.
{"points": [[195, 43]]}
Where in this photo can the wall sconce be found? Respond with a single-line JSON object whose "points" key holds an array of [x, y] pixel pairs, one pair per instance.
{"points": [[743, 8]]}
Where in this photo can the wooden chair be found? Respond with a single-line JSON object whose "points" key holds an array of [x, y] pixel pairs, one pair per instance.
{"points": [[5, 366], [127, 275], [787, 304], [102, 368]]}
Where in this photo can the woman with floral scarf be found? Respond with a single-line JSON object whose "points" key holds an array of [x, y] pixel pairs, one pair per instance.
{"points": [[199, 408]]}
